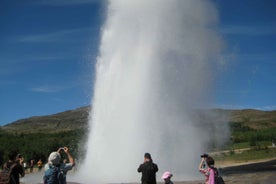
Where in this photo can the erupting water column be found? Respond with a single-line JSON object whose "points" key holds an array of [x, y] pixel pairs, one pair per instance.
{"points": [[154, 67]]}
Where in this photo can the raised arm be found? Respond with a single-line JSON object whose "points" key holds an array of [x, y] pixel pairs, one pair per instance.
{"points": [[200, 166], [71, 159]]}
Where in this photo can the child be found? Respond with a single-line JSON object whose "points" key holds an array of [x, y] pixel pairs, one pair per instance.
{"points": [[167, 177]]}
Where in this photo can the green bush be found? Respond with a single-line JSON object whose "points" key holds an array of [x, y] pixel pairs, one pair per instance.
{"points": [[240, 135], [40, 145]]}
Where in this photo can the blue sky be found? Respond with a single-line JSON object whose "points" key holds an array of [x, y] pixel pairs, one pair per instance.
{"points": [[249, 28], [48, 50]]}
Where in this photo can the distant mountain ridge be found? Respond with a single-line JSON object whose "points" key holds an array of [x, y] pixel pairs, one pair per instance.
{"points": [[63, 121], [255, 119], [78, 119]]}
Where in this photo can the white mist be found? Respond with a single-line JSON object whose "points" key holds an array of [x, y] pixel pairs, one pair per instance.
{"points": [[154, 68]]}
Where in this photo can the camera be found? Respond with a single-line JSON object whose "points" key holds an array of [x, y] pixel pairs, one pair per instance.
{"points": [[204, 155], [19, 156]]}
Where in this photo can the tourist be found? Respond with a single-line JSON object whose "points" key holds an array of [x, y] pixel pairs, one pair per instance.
{"points": [[15, 163], [207, 169], [67, 166], [167, 177], [55, 171], [31, 165], [148, 169], [39, 164]]}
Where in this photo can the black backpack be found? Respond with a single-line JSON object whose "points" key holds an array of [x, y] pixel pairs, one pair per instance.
{"points": [[5, 175], [218, 178]]}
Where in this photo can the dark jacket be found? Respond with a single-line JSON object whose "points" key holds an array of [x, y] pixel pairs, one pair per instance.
{"points": [[148, 170], [16, 171]]}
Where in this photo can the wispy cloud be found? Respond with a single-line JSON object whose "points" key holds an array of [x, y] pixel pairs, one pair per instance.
{"points": [[265, 58], [47, 58], [61, 35], [66, 2], [234, 92], [248, 30], [12, 64], [269, 108], [231, 106], [46, 89], [54, 88], [228, 106]]}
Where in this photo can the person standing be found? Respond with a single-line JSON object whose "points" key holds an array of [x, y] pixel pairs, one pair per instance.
{"points": [[54, 168], [39, 164], [67, 166], [15, 163], [148, 170], [207, 169], [31, 165]]}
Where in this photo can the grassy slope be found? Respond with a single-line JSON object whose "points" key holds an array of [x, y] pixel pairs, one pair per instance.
{"points": [[258, 123], [254, 118], [78, 119], [60, 122]]}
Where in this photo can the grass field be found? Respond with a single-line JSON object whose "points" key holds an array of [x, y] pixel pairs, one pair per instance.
{"points": [[245, 155]]}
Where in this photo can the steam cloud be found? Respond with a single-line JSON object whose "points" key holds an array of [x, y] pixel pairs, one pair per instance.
{"points": [[154, 68]]}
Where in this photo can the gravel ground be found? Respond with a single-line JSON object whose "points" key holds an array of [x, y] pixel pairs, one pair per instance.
{"points": [[251, 173]]}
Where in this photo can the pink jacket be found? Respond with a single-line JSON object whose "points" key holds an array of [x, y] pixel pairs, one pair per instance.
{"points": [[209, 175]]}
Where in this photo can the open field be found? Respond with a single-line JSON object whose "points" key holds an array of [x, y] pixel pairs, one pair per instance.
{"points": [[244, 155]]}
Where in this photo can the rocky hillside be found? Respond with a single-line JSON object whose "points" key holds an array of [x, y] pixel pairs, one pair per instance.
{"points": [[78, 119], [64, 121]]}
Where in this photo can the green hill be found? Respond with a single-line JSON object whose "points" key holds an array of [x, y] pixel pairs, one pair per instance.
{"points": [[36, 136], [254, 119], [64, 121], [78, 119]]}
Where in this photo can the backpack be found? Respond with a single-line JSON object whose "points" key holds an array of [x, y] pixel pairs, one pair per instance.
{"points": [[218, 178], [5, 174], [54, 175]]}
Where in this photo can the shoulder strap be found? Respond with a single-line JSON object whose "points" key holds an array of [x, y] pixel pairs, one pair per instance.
{"points": [[54, 175], [13, 166], [214, 168], [6, 176], [61, 176], [215, 171], [5, 166]]}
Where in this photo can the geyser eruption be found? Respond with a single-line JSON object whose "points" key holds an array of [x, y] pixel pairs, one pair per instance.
{"points": [[154, 68]]}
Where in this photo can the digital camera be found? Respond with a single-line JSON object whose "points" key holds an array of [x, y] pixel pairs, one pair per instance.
{"points": [[204, 155]]}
